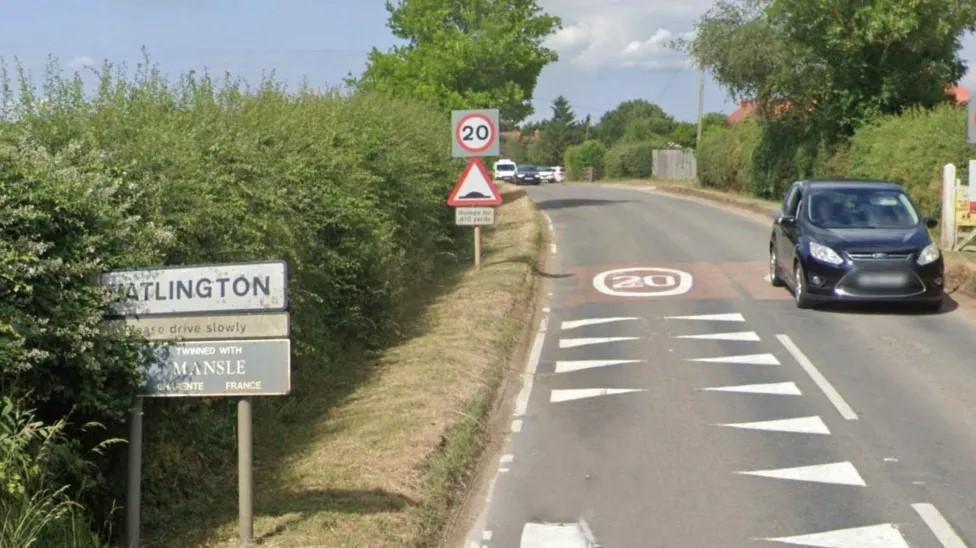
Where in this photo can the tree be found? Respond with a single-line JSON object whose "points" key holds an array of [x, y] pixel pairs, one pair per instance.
{"points": [[835, 63], [557, 134], [635, 120], [465, 54]]}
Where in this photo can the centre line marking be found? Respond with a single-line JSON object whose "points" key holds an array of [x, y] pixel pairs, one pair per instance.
{"points": [[939, 526], [828, 389]]}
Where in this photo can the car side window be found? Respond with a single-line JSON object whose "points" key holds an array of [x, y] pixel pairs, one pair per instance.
{"points": [[792, 202]]}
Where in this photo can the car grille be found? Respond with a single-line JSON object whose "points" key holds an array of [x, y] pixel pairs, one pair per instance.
{"points": [[867, 283], [880, 255]]}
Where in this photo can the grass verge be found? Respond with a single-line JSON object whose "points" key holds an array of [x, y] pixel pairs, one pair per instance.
{"points": [[384, 466], [960, 267]]}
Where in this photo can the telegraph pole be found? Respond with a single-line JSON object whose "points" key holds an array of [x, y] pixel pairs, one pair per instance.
{"points": [[701, 106]]}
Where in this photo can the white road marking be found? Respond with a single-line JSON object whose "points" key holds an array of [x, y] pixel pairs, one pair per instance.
{"points": [[486, 536], [517, 425], [818, 378], [780, 388], [522, 400], [801, 425], [504, 470], [890, 459], [840, 473], [553, 249], [748, 359], [939, 526], [874, 536], [711, 318], [507, 459], [737, 336], [573, 343], [554, 535], [643, 282], [582, 393], [595, 321], [568, 366]]}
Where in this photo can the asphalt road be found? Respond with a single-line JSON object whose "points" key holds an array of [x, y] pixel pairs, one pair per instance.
{"points": [[867, 416]]}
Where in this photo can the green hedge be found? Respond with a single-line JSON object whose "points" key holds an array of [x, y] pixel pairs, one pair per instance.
{"points": [[912, 149], [725, 156], [349, 191], [631, 160], [587, 154]]}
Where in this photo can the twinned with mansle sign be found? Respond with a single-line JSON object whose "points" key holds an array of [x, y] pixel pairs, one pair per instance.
{"points": [[212, 288], [221, 368], [224, 328]]}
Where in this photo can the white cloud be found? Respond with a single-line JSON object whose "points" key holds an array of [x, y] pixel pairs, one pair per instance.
{"points": [[623, 33], [81, 62]]}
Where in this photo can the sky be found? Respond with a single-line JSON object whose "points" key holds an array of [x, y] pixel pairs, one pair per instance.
{"points": [[610, 50]]}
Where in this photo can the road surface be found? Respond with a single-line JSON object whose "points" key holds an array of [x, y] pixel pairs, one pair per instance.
{"points": [[691, 404]]}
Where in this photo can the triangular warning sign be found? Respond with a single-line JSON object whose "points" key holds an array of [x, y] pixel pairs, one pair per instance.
{"points": [[475, 187]]}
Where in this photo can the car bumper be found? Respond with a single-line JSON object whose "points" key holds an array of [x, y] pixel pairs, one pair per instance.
{"points": [[875, 282]]}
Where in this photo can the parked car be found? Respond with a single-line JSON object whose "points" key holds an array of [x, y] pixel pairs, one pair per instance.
{"points": [[504, 170], [854, 241], [527, 175], [546, 174]]}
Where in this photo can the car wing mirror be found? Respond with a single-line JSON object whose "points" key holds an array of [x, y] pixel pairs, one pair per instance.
{"points": [[786, 220], [931, 222]]}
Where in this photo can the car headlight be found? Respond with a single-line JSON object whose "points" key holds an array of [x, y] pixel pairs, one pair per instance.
{"points": [[824, 254], [928, 255]]}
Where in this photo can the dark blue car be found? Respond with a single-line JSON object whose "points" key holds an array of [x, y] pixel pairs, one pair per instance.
{"points": [[854, 241]]}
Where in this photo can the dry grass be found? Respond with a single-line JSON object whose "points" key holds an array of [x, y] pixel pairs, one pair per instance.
{"points": [[382, 467]]}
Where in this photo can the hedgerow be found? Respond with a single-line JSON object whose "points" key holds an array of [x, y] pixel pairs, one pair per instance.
{"points": [[349, 190]]}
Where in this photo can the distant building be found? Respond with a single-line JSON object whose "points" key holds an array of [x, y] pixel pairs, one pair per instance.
{"points": [[960, 94]]}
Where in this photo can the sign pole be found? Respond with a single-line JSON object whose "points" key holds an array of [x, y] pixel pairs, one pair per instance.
{"points": [[245, 480], [134, 487], [477, 247]]}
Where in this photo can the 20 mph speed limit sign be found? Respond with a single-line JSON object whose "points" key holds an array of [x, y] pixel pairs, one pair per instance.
{"points": [[475, 133]]}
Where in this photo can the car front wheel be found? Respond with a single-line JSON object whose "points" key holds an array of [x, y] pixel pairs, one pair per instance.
{"points": [[800, 287], [774, 278]]}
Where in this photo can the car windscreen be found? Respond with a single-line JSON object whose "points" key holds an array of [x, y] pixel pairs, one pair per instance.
{"points": [[861, 208], [504, 167], [528, 169]]}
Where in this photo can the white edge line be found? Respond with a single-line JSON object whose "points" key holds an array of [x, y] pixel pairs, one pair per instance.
{"points": [[828, 389], [939, 526], [522, 401], [553, 249]]}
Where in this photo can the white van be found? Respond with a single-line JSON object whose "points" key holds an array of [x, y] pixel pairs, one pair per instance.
{"points": [[505, 170]]}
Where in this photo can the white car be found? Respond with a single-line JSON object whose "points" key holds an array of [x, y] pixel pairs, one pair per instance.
{"points": [[546, 174], [504, 170], [558, 174]]}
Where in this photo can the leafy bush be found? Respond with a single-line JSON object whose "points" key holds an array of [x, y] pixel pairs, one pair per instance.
{"points": [[725, 156], [631, 160], [911, 149], [579, 157], [35, 510]]}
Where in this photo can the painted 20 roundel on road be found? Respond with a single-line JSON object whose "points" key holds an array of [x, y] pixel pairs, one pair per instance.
{"points": [[643, 282]]}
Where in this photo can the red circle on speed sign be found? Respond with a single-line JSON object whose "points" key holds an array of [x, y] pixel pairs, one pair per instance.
{"points": [[476, 133]]}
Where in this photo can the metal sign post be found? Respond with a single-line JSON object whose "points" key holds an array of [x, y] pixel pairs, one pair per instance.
{"points": [[133, 494], [245, 468]]}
